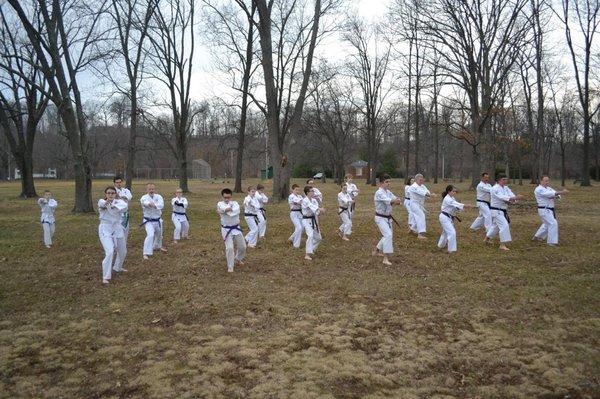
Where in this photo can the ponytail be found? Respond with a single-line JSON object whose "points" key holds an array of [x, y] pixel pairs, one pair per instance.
{"points": [[449, 188]]}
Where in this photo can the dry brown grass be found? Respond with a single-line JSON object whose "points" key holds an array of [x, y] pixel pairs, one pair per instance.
{"points": [[479, 324]]}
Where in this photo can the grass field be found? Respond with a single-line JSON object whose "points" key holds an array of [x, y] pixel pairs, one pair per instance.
{"points": [[477, 324]]}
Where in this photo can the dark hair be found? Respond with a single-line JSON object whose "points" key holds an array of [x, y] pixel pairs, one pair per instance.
{"points": [[500, 176], [47, 191], [408, 179], [117, 177], [226, 191], [307, 189], [110, 188], [251, 187], [309, 180], [484, 173], [260, 187], [449, 188], [294, 186], [383, 177]]}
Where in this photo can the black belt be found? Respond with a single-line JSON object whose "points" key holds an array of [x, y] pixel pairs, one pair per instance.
{"points": [[503, 211], [451, 216], [146, 220], [254, 215], [313, 221], [342, 210], [547, 207], [408, 199], [296, 210], [486, 202], [388, 217], [182, 213], [264, 212], [230, 229], [352, 206]]}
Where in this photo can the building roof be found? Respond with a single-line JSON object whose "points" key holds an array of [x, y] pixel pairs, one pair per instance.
{"points": [[201, 162], [359, 164]]}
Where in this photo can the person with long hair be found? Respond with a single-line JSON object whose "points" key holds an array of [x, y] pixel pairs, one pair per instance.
{"points": [[450, 207], [295, 203], [411, 219], [384, 201], [111, 232]]}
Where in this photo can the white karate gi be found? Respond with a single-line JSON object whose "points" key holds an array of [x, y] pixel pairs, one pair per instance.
{"points": [[353, 191], [499, 199], [180, 219], [483, 203], [152, 222], [417, 206], [251, 211], [310, 221], [545, 200], [318, 195], [383, 206], [449, 207], [235, 245], [295, 202], [47, 218], [112, 235], [411, 219], [345, 202], [262, 214], [126, 195]]}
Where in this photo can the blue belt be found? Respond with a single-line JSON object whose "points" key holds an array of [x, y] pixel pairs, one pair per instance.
{"points": [[146, 220], [254, 215], [230, 229]]}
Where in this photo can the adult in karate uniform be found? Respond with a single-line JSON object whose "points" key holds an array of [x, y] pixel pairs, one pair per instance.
{"points": [[545, 196], [352, 190], [450, 207], [500, 197], [418, 193], [311, 210], [295, 203], [384, 201], [317, 194], [410, 218], [251, 211], [233, 237], [48, 207], [123, 193], [262, 214], [484, 188], [112, 233], [179, 216], [152, 206], [345, 203]]}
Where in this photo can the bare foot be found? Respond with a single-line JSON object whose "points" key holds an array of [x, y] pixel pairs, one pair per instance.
{"points": [[487, 240], [345, 238], [421, 237], [307, 257], [376, 252], [175, 242], [146, 257], [240, 263], [340, 234], [163, 249], [105, 282], [504, 248], [386, 262]]}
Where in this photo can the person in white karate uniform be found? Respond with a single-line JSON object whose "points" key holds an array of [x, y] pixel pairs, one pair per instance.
{"points": [[123, 193], [418, 193], [48, 207], [384, 201], [251, 211], [484, 189], [345, 203], [450, 207], [318, 195], [545, 196], [500, 197], [152, 206], [352, 190], [412, 227], [295, 203], [262, 214], [112, 233], [311, 210], [179, 216], [233, 237]]}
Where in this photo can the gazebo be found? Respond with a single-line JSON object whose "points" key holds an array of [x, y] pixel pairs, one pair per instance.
{"points": [[201, 169], [358, 169]]}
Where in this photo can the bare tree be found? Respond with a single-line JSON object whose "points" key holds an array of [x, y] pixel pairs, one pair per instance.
{"points": [[173, 43], [22, 105], [286, 60], [131, 21], [478, 42], [235, 35], [66, 40], [585, 14], [369, 67]]}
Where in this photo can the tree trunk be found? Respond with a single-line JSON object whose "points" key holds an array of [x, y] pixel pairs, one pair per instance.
{"points": [[585, 170], [27, 183], [130, 168]]}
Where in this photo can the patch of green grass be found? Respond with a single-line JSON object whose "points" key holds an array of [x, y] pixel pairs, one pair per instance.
{"points": [[479, 323]]}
